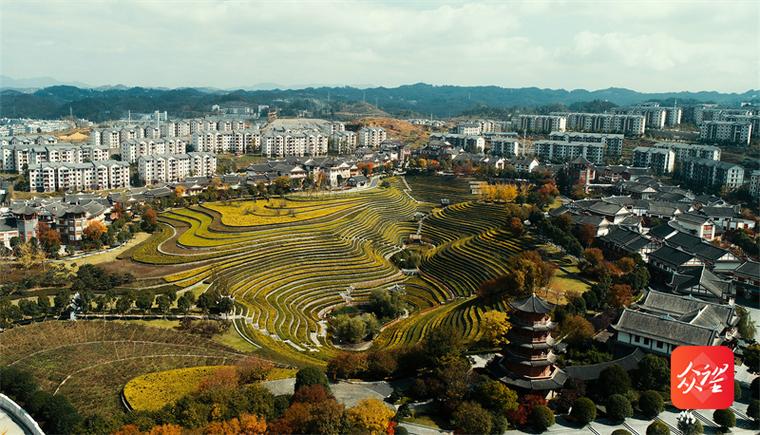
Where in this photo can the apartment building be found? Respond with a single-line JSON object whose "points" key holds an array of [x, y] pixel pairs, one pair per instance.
{"points": [[751, 119], [613, 142], [711, 112], [754, 184], [109, 137], [632, 125], [561, 151], [726, 132], [93, 153], [175, 167], [505, 147], [673, 116], [371, 137], [16, 157], [175, 129], [542, 123], [235, 141], [472, 144], [687, 150], [335, 127], [104, 174], [343, 142], [283, 143], [711, 173], [132, 150], [470, 128], [656, 116], [660, 160]]}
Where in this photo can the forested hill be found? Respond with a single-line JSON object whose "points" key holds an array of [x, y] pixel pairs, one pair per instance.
{"points": [[409, 100]]}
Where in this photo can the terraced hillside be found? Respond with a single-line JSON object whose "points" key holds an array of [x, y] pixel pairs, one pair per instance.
{"points": [[289, 261]]}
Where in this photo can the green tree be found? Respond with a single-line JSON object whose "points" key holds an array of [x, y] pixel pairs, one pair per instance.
{"points": [[541, 418], [471, 418], [43, 304], [440, 343], [311, 376], [125, 302], [725, 418], [746, 326], [496, 397], [613, 380], [653, 373], [347, 329], [752, 358], [164, 303], [753, 410], [57, 414], [185, 302], [618, 407], [386, 304], [657, 427], [650, 403], [144, 300], [17, 384], [583, 410]]}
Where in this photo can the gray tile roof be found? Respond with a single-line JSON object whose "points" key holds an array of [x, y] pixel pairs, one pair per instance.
{"points": [[665, 328]]}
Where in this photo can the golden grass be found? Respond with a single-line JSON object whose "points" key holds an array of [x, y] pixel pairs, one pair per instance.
{"points": [[275, 211], [153, 391]]}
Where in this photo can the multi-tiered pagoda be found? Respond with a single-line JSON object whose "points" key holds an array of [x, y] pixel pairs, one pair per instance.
{"points": [[527, 363]]}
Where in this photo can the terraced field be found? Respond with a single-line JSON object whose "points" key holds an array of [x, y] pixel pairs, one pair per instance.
{"points": [[288, 269]]}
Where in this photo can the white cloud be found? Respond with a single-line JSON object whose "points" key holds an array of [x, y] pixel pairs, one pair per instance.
{"points": [[642, 45]]}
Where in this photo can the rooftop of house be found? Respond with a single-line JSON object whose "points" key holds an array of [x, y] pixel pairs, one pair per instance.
{"points": [[665, 328], [749, 269], [671, 256]]}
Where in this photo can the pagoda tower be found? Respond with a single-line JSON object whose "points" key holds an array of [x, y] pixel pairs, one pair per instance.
{"points": [[527, 363]]}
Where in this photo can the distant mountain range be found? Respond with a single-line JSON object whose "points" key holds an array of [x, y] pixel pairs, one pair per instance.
{"points": [[111, 102]]}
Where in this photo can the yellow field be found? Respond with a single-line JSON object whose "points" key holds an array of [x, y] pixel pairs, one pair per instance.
{"points": [[153, 391], [275, 211]]}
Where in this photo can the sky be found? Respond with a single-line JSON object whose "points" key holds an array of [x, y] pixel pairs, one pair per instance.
{"points": [[650, 46]]}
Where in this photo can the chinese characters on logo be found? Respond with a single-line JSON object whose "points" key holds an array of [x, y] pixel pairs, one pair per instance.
{"points": [[702, 377]]}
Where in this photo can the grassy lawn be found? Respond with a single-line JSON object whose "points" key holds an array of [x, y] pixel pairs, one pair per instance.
{"points": [[106, 257], [564, 282], [232, 339]]}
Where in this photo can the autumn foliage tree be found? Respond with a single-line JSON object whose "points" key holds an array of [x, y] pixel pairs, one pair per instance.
{"points": [[498, 192], [586, 234], [49, 239], [516, 226], [620, 295], [576, 330], [94, 230], [246, 424], [149, 220], [526, 272], [495, 326], [369, 416]]}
